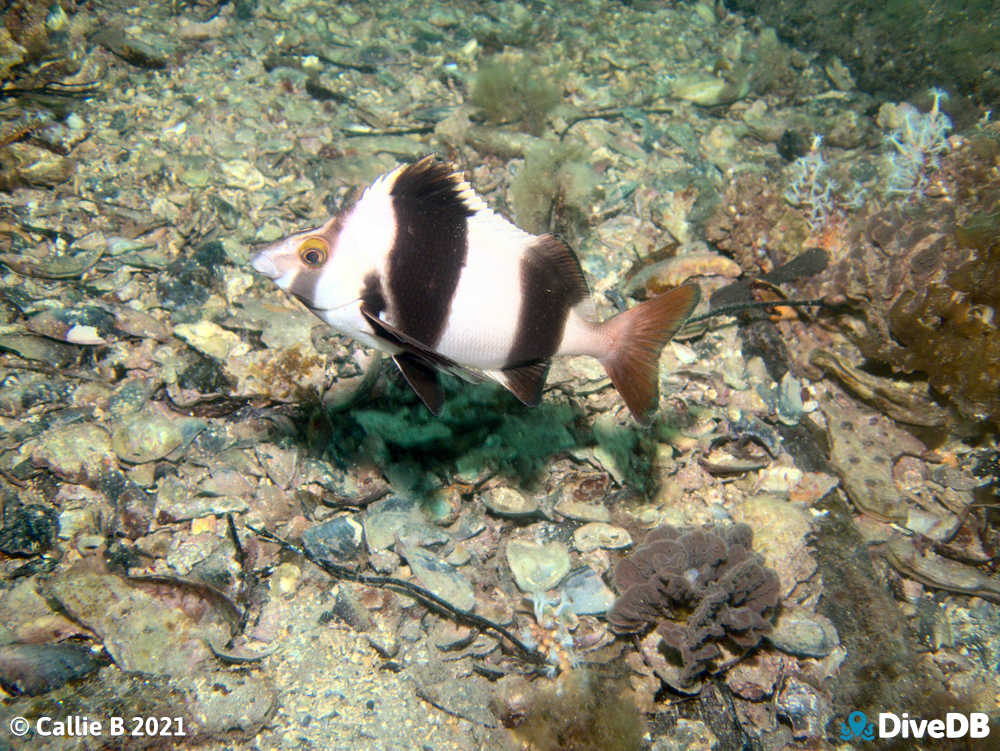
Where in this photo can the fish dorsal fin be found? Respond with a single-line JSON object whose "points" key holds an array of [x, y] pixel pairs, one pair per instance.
{"points": [[561, 267], [434, 185], [524, 381], [422, 379]]}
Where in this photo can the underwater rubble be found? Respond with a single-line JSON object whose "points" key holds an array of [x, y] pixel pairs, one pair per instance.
{"points": [[215, 509]]}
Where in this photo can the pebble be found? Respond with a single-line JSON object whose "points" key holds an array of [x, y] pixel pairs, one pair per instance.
{"points": [[803, 634], [441, 578], [399, 517], [145, 437], [73, 452], [339, 540], [585, 593], [594, 535], [537, 567], [211, 339], [28, 530], [687, 735], [34, 669], [349, 609]]}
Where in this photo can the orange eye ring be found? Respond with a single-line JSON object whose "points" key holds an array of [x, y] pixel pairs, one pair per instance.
{"points": [[313, 251]]}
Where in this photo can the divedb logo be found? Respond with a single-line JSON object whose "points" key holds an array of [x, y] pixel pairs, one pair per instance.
{"points": [[892, 725]]}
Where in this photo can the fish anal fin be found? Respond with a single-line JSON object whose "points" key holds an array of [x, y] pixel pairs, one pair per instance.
{"points": [[526, 381], [634, 340], [422, 378]]}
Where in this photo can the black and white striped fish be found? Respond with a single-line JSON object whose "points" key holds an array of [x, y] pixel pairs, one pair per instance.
{"points": [[422, 269]]}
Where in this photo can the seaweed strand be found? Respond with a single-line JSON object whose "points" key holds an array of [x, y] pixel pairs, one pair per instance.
{"points": [[421, 594]]}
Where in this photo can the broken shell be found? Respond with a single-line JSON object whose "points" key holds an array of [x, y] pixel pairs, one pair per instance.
{"points": [[594, 535], [936, 571], [144, 438], [509, 502], [537, 567], [58, 267], [673, 272], [83, 325]]}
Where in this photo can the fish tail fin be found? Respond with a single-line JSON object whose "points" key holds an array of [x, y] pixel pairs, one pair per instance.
{"points": [[634, 340]]}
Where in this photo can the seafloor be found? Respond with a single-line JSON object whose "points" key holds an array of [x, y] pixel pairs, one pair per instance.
{"points": [[217, 511]]}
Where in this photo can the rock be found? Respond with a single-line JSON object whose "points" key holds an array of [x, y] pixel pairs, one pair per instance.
{"points": [[440, 578], [211, 339], [28, 530], [340, 540], [397, 517], [537, 567], [141, 631], [75, 453], [600, 535], [803, 634], [34, 669], [145, 437], [585, 593]]}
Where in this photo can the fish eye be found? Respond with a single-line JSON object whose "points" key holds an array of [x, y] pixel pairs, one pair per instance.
{"points": [[313, 251]]}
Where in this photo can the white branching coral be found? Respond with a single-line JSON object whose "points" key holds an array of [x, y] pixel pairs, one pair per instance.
{"points": [[917, 142], [811, 186]]}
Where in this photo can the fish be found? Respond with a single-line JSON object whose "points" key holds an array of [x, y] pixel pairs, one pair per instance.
{"points": [[423, 270]]}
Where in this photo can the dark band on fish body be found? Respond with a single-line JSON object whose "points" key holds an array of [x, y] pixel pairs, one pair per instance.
{"points": [[304, 286], [371, 295], [552, 283], [429, 251]]}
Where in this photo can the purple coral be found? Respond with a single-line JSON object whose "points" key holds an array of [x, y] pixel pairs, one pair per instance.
{"points": [[700, 588]]}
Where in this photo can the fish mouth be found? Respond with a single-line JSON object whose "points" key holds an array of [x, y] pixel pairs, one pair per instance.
{"points": [[262, 263]]}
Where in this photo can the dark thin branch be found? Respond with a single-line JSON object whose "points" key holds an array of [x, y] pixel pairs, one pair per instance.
{"points": [[724, 310], [421, 594]]}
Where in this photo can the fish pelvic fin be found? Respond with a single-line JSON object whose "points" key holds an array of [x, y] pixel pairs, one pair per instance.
{"points": [[634, 340]]}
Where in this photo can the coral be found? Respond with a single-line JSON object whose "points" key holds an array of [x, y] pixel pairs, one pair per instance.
{"points": [[919, 282], [917, 140], [554, 187], [698, 590], [511, 88], [812, 187]]}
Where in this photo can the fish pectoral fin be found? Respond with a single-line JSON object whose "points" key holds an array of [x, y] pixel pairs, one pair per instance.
{"points": [[525, 381], [422, 379], [394, 336], [389, 333]]}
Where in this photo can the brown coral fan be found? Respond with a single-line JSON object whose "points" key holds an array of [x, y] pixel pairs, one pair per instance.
{"points": [[701, 588]]}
